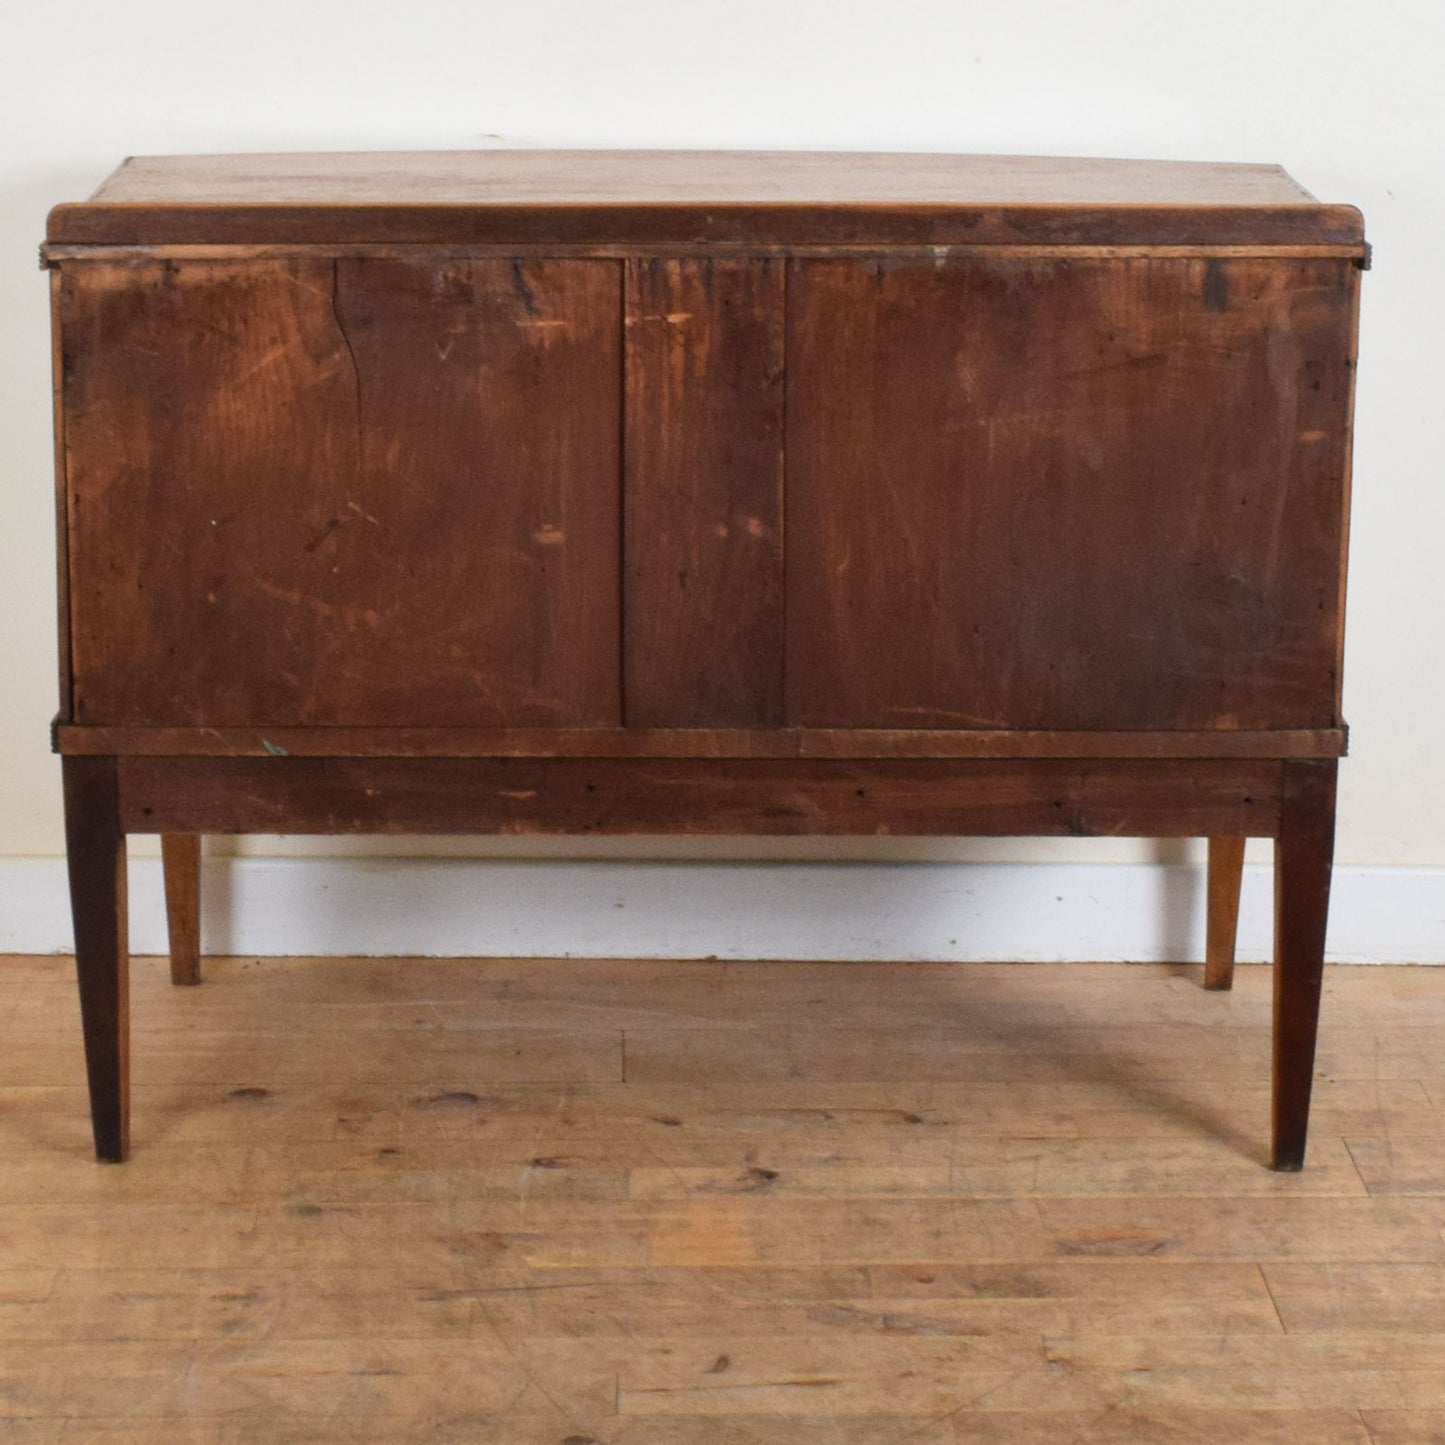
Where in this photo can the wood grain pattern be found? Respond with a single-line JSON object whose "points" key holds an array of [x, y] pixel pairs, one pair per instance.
{"points": [[520, 197], [1226, 874], [673, 795], [996, 462], [657, 493], [392, 742], [96, 858], [62, 529], [1304, 855], [181, 864], [55, 254], [262, 533], [671, 177], [703, 494], [1286, 228], [1093, 1258]]}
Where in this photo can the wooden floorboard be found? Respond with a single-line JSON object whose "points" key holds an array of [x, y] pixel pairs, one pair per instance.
{"points": [[546, 1202]]}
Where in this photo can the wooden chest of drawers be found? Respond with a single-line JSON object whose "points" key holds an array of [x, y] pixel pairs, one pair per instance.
{"points": [[670, 492]]}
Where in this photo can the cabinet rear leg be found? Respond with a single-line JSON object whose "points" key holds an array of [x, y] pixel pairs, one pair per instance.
{"points": [[1226, 872], [95, 848], [181, 861], [1304, 854]]}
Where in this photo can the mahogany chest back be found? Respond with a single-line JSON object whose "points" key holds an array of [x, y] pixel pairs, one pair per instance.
{"points": [[657, 492]]}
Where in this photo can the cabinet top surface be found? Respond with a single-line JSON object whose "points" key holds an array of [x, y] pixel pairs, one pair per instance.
{"points": [[703, 197]]}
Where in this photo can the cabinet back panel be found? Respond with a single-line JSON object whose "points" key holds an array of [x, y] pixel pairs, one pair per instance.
{"points": [[1045, 493], [704, 493], [344, 492]]}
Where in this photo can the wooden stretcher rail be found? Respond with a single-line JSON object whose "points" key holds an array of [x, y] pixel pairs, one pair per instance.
{"points": [[403, 742], [1058, 797]]}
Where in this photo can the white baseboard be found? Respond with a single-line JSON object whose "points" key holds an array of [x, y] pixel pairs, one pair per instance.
{"points": [[444, 907]]}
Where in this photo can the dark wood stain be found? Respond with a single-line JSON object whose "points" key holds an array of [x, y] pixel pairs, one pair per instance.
{"points": [[703, 553], [1303, 864], [644, 742], [357, 492], [96, 857], [1014, 500], [181, 863], [1216, 286], [920, 797], [696, 197], [605, 493]]}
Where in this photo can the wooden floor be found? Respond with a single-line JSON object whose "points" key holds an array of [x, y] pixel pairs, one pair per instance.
{"points": [[529, 1203]]}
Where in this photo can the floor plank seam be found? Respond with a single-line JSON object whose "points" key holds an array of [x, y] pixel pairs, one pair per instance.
{"points": [[1360, 1173], [1274, 1303]]}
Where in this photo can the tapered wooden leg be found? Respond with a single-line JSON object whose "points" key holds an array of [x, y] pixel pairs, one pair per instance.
{"points": [[181, 860], [95, 848], [1304, 854], [1226, 872]]}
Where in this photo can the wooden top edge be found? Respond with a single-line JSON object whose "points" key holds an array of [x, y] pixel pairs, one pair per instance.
{"points": [[688, 176], [55, 254], [651, 223], [694, 196]]}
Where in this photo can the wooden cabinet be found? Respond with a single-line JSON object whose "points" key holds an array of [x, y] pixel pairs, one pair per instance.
{"points": [[660, 492]]}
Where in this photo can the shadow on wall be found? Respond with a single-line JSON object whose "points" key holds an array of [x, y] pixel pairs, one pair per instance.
{"points": [[25, 201]]}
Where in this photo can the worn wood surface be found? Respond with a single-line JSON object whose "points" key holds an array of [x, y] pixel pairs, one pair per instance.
{"points": [[1304, 855], [62, 520], [53, 254], [391, 742], [520, 196], [181, 864], [833, 1241], [1137, 798], [96, 858], [311, 493], [671, 177], [1287, 229], [1013, 499], [1082, 507], [703, 494], [1225, 877]]}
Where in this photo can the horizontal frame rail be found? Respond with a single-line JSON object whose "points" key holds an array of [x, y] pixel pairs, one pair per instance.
{"points": [[860, 743], [908, 797]]}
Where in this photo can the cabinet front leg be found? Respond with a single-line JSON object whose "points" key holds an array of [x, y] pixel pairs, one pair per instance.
{"points": [[95, 850], [1304, 854], [1226, 872], [181, 861]]}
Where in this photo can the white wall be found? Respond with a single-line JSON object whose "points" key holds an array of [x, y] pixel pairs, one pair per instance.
{"points": [[1348, 98]]}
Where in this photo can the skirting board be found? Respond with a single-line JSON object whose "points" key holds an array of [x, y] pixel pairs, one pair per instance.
{"points": [[439, 907]]}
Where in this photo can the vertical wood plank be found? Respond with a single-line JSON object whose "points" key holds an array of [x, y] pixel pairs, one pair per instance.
{"points": [[210, 415], [366, 492], [95, 853], [1226, 874], [484, 531], [703, 622], [1011, 503], [62, 506], [181, 864], [1304, 852]]}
